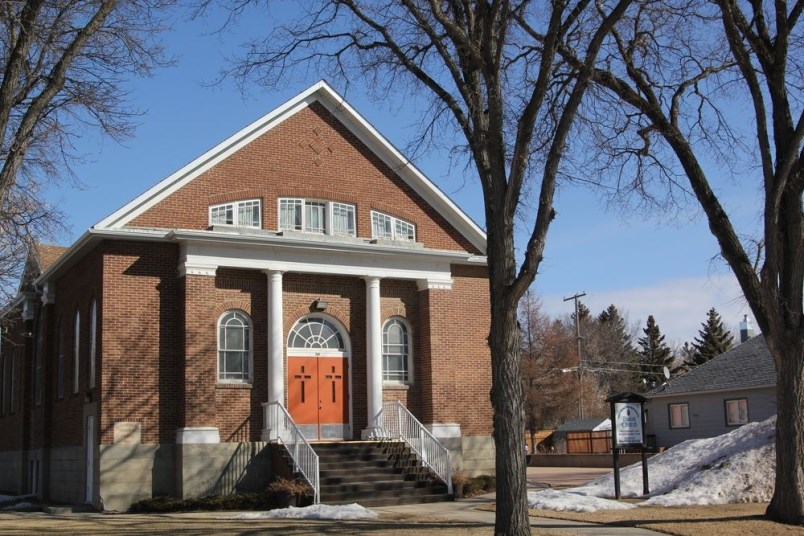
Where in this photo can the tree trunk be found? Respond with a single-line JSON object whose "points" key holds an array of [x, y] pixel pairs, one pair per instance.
{"points": [[509, 423], [506, 383], [787, 504]]}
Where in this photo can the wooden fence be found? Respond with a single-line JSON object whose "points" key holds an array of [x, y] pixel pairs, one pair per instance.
{"points": [[589, 442]]}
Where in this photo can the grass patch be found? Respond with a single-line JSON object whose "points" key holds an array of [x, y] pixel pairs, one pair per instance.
{"points": [[714, 520]]}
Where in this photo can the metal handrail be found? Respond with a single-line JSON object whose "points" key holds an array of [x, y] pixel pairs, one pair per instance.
{"points": [[284, 428], [399, 423]]}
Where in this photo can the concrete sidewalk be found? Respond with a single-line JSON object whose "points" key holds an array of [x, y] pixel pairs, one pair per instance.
{"points": [[466, 510]]}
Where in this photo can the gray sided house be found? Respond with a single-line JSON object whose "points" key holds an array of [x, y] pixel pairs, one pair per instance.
{"points": [[734, 388]]}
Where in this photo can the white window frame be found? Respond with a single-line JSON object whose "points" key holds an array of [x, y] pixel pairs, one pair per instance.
{"points": [[742, 412], [248, 352], [93, 342], [76, 349], [406, 353], [236, 207], [304, 207], [316, 347], [399, 229], [684, 415], [60, 362]]}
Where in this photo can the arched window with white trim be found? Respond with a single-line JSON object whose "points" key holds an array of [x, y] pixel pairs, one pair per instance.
{"points": [[317, 333], [234, 347], [397, 364]]}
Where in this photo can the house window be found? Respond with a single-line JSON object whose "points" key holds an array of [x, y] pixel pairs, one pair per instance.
{"points": [[76, 350], [679, 415], [321, 217], [396, 351], [234, 347], [93, 343], [391, 228], [238, 214], [736, 412]]}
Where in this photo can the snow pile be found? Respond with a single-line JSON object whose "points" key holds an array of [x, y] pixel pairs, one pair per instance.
{"points": [[737, 467], [567, 501], [316, 511]]}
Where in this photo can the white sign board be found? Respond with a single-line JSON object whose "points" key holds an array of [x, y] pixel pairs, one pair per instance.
{"points": [[628, 416]]}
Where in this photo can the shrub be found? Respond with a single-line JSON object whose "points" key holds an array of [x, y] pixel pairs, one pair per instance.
{"points": [[241, 501], [479, 485]]}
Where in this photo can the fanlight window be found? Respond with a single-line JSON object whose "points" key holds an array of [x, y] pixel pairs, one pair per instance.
{"points": [[315, 332]]}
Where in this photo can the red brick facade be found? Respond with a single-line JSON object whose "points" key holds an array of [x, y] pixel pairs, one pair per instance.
{"points": [[157, 316]]}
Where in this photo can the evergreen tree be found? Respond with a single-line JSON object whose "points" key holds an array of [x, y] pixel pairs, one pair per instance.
{"points": [[684, 357], [712, 341], [653, 354], [615, 351]]}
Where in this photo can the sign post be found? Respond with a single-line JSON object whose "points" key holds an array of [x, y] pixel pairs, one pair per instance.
{"points": [[627, 431]]}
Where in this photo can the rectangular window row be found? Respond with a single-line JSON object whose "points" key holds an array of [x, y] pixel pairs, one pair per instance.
{"points": [[736, 413], [311, 216]]}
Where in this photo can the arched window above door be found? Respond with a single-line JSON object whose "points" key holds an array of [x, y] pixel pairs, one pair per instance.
{"points": [[319, 334]]}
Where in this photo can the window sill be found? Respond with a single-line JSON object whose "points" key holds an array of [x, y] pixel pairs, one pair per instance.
{"points": [[233, 386], [395, 386]]}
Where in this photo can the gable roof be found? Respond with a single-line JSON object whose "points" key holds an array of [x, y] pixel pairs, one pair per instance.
{"points": [[354, 122], [583, 425], [746, 366], [47, 254]]}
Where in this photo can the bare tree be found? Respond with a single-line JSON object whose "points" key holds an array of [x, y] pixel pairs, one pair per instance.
{"points": [[513, 102], [548, 351], [64, 65], [686, 82]]}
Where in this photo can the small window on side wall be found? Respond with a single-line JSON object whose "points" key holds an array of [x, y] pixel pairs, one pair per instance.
{"points": [[736, 412], [679, 415], [234, 347]]}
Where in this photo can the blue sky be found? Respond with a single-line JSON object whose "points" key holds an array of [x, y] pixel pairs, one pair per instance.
{"points": [[661, 266]]}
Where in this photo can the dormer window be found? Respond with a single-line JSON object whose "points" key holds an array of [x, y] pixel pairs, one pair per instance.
{"points": [[390, 228], [238, 214], [313, 216]]}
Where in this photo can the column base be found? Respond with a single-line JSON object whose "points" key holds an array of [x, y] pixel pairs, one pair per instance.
{"points": [[269, 435], [373, 433]]}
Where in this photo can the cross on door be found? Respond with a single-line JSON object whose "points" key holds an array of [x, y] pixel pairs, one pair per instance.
{"points": [[333, 379], [303, 379]]}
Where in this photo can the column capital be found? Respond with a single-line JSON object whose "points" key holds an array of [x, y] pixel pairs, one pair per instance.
{"points": [[434, 284], [371, 279], [273, 273], [191, 268]]}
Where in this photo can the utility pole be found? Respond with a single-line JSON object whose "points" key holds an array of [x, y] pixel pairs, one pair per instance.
{"points": [[580, 359]]}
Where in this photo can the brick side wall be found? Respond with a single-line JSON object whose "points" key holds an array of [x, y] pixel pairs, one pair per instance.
{"points": [[12, 367], [309, 155], [460, 358], [74, 292], [142, 341]]}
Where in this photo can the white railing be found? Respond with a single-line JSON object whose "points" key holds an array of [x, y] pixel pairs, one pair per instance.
{"points": [[281, 426], [399, 423]]}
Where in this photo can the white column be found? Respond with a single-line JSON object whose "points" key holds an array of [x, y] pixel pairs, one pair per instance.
{"points": [[374, 356], [276, 362]]}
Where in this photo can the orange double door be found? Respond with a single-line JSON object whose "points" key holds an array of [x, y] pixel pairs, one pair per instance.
{"points": [[318, 396]]}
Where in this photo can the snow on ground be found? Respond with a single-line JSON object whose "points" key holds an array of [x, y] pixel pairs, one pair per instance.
{"points": [[736, 467], [317, 511], [563, 501]]}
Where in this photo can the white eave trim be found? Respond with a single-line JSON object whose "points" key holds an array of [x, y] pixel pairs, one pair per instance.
{"points": [[335, 103], [650, 396], [93, 236], [194, 236]]}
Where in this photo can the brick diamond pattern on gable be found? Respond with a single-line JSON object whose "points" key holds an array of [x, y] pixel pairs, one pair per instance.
{"points": [[320, 148]]}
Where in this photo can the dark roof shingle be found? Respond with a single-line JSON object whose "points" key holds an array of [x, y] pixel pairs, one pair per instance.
{"points": [[747, 365]]}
